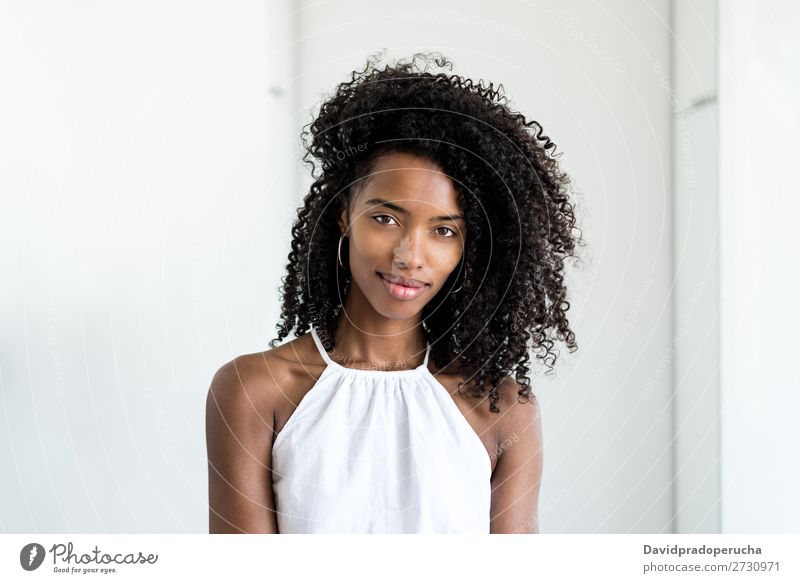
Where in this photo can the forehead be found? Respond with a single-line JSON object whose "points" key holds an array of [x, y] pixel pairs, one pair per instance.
{"points": [[411, 181]]}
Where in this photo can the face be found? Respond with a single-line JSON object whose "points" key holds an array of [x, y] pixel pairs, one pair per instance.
{"points": [[405, 224]]}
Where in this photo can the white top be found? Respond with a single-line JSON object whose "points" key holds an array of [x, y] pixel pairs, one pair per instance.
{"points": [[370, 451]]}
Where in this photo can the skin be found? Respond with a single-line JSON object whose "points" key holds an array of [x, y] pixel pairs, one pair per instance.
{"points": [[254, 395]]}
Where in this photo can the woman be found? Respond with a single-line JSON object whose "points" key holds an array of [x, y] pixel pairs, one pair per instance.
{"points": [[426, 263]]}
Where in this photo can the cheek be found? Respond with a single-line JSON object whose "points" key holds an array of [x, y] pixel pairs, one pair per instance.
{"points": [[368, 247], [450, 258], [446, 266]]}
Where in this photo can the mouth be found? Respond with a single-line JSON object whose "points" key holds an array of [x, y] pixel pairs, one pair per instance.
{"points": [[402, 280], [408, 290]]}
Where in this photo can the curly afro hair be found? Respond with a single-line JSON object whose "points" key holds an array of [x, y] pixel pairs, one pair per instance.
{"points": [[521, 224]]}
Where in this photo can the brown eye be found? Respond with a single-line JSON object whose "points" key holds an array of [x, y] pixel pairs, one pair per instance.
{"points": [[379, 217], [447, 229]]}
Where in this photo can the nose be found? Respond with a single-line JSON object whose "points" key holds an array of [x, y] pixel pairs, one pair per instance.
{"points": [[408, 255]]}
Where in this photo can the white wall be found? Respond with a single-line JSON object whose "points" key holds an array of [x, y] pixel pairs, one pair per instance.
{"points": [[696, 256], [760, 265], [141, 205]]}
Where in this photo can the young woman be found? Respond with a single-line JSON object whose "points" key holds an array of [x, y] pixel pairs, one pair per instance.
{"points": [[426, 264]]}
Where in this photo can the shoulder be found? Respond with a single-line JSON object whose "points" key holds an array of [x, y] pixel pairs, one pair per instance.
{"points": [[256, 382], [240, 421], [518, 417], [240, 397], [247, 373]]}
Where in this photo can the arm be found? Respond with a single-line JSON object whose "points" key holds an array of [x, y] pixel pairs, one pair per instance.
{"points": [[518, 474], [239, 430]]}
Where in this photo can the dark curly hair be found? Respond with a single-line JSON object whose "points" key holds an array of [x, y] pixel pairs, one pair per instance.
{"points": [[521, 224]]}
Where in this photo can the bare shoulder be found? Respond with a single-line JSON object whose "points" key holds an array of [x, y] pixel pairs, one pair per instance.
{"points": [[258, 374], [242, 406], [248, 377], [262, 381], [519, 416]]}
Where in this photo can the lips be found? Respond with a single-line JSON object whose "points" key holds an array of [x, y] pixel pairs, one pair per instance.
{"points": [[402, 281], [402, 292]]}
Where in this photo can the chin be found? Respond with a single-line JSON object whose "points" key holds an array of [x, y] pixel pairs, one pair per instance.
{"points": [[396, 312]]}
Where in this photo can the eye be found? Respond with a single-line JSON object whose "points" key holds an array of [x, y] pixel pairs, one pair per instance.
{"points": [[379, 217], [447, 229], [452, 233]]}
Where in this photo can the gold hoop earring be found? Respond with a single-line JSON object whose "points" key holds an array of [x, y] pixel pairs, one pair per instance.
{"points": [[339, 252]]}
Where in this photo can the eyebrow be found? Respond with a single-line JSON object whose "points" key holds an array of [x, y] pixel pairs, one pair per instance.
{"points": [[399, 209]]}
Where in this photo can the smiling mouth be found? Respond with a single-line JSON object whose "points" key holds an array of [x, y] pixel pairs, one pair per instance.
{"points": [[415, 285], [401, 292]]}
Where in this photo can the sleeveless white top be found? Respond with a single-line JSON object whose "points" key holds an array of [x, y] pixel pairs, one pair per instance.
{"points": [[370, 451]]}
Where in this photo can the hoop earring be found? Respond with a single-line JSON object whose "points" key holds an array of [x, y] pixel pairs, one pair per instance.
{"points": [[459, 287], [339, 252]]}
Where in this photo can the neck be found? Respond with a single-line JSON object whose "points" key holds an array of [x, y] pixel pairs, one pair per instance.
{"points": [[366, 339]]}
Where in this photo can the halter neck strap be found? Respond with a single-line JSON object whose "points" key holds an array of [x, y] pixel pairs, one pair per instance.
{"points": [[320, 347]]}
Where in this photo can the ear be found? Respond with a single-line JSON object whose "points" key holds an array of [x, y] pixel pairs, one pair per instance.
{"points": [[343, 222]]}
